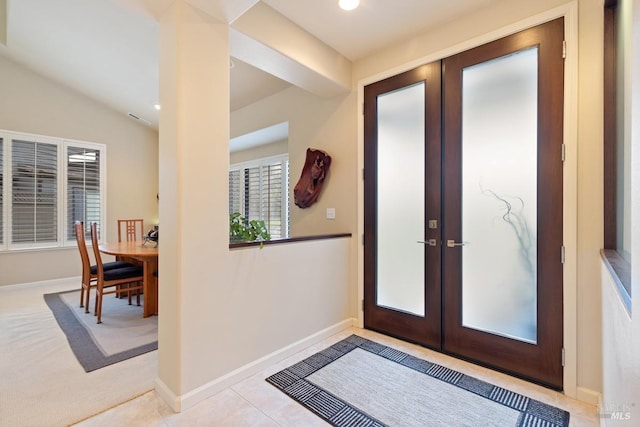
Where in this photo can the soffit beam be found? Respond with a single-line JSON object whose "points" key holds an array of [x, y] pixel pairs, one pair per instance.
{"points": [[267, 40]]}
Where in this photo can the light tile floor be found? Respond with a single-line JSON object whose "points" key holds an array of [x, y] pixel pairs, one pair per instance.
{"points": [[253, 402]]}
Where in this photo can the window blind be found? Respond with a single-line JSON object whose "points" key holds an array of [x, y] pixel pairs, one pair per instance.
{"points": [[253, 194], [271, 201], [259, 191], [34, 192], [235, 191], [46, 184], [83, 188]]}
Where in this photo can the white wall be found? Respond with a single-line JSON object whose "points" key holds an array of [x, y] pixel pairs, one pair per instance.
{"points": [[590, 217], [31, 103], [271, 303], [274, 298], [620, 357], [287, 291]]}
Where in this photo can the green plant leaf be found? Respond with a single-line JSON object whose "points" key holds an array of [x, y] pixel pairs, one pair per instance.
{"points": [[242, 229]]}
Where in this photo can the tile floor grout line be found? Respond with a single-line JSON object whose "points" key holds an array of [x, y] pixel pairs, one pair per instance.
{"points": [[252, 404]]}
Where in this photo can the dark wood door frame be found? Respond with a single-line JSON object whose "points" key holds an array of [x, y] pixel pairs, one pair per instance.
{"points": [[541, 362], [422, 330], [447, 333]]}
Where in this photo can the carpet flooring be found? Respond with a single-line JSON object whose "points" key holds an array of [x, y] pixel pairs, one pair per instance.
{"points": [[358, 382], [43, 384]]}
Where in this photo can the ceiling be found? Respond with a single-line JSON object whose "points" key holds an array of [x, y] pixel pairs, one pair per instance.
{"points": [[108, 49]]}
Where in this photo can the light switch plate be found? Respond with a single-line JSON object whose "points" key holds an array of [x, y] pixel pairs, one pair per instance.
{"points": [[331, 213]]}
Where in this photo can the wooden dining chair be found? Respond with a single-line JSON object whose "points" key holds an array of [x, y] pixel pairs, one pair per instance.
{"points": [[90, 272], [130, 229], [132, 275]]}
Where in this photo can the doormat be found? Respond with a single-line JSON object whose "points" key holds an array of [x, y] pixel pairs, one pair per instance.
{"points": [[359, 382]]}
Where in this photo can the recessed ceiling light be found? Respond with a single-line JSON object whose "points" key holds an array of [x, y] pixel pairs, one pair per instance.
{"points": [[348, 4], [157, 107]]}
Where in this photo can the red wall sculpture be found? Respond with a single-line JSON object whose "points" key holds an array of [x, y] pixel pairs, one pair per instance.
{"points": [[315, 170]]}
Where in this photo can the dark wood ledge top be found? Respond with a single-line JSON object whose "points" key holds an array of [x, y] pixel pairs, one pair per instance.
{"points": [[277, 241]]}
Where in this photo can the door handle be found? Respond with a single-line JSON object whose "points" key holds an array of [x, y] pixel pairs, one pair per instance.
{"points": [[453, 244], [430, 242]]}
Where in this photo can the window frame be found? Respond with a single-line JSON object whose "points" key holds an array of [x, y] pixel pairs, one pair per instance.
{"points": [[259, 163], [610, 130], [619, 267], [62, 148]]}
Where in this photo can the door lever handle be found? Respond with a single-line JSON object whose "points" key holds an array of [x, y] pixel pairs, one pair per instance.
{"points": [[453, 244], [430, 242]]}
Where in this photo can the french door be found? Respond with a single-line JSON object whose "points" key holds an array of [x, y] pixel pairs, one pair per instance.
{"points": [[463, 204]]}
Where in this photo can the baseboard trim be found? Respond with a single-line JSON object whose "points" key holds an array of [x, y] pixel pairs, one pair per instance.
{"points": [[167, 395], [593, 398], [589, 396], [193, 397], [75, 279]]}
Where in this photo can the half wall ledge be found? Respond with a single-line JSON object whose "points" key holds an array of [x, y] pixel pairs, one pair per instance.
{"points": [[620, 271], [277, 241]]}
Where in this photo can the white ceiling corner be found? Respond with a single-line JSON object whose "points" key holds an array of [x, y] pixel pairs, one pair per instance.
{"points": [[108, 49]]}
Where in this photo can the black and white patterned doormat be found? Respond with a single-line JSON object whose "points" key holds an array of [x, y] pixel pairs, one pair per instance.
{"points": [[358, 382]]}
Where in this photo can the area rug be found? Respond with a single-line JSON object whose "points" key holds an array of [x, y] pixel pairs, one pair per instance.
{"points": [[359, 382], [123, 333]]}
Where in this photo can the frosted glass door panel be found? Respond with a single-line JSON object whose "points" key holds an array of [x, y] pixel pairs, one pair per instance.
{"points": [[400, 207], [499, 164]]}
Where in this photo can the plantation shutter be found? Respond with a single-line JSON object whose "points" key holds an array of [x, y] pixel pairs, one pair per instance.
{"points": [[235, 191], [46, 184], [83, 188], [259, 191], [252, 193], [271, 209], [285, 195], [34, 209]]}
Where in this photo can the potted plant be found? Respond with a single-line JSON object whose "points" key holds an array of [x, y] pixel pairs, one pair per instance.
{"points": [[243, 230]]}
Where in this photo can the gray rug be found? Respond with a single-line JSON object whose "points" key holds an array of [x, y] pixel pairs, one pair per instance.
{"points": [[358, 382], [123, 333]]}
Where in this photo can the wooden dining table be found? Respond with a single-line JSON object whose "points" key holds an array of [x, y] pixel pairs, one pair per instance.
{"points": [[148, 255]]}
